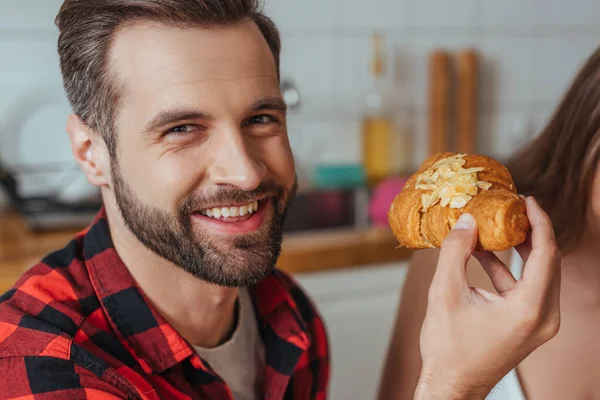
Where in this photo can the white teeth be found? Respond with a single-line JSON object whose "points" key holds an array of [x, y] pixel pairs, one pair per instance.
{"points": [[227, 212], [253, 207]]}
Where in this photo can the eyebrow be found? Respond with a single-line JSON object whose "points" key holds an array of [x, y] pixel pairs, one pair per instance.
{"points": [[171, 117], [269, 103]]}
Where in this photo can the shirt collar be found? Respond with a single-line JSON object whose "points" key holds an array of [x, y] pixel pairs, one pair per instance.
{"points": [[154, 343]]}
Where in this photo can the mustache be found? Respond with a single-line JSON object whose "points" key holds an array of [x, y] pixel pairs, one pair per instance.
{"points": [[230, 195]]}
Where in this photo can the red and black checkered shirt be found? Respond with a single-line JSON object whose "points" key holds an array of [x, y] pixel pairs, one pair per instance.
{"points": [[77, 326]]}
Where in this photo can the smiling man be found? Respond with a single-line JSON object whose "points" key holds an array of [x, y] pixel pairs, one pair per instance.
{"points": [[172, 291]]}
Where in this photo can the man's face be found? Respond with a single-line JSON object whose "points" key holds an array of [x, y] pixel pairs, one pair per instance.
{"points": [[204, 171]]}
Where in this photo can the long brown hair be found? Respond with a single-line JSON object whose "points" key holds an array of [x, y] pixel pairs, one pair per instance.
{"points": [[558, 167]]}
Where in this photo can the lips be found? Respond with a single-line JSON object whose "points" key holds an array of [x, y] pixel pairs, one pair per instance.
{"points": [[226, 212], [223, 220]]}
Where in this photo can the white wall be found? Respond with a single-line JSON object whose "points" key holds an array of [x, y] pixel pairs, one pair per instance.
{"points": [[32, 104], [531, 49]]}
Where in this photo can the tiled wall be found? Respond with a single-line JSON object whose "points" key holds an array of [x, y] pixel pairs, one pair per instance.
{"points": [[530, 49]]}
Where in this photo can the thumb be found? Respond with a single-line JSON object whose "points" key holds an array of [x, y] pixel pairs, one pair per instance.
{"points": [[451, 273]]}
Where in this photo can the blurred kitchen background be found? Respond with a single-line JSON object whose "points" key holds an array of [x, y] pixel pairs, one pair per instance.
{"points": [[362, 78], [526, 53]]}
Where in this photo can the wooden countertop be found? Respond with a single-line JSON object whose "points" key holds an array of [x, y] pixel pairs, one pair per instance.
{"points": [[302, 252]]}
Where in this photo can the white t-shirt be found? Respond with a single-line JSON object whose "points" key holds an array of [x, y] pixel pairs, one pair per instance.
{"points": [[509, 388], [240, 361]]}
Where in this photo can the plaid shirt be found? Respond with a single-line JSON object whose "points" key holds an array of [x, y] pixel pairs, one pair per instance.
{"points": [[77, 326]]}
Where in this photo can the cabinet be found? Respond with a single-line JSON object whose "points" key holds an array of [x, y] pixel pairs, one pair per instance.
{"points": [[359, 308]]}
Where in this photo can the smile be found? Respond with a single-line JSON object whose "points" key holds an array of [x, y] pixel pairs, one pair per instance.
{"points": [[230, 211], [235, 219]]}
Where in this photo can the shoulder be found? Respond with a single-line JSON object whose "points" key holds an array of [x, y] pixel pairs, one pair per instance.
{"points": [[45, 307], [315, 365], [306, 310], [308, 313], [60, 276], [50, 377], [301, 300]]}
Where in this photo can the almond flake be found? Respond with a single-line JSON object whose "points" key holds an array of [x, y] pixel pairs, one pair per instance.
{"points": [[450, 183]]}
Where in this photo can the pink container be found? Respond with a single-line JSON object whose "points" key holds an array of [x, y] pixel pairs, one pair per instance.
{"points": [[382, 199]]}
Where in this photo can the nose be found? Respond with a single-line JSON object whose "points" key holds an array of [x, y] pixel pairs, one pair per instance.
{"points": [[234, 162]]}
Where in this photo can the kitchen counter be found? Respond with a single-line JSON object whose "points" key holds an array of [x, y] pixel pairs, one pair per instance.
{"points": [[301, 253]]}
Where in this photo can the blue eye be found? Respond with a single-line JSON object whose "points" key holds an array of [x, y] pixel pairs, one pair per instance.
{"points": [[261, 119], [182, 129]]}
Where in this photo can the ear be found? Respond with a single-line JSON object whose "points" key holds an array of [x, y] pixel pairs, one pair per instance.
{"points": [[89, 151]]}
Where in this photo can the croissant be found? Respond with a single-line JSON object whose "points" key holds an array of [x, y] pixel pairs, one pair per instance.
{"points": [[448, 185]]}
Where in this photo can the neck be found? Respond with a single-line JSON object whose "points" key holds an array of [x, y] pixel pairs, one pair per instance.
{"points": [[202, 313]]}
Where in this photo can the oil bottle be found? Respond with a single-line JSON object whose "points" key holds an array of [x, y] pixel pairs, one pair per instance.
{"points": [[377, 122]]}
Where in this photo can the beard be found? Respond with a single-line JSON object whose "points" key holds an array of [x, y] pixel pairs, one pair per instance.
{"points": [[237, 261]]}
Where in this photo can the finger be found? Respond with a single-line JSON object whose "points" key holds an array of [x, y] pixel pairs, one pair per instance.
{"points": [[524, 249], [451, 275], [498, 272], [544, 259]]}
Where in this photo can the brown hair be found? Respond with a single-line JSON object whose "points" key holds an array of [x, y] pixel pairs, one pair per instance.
{"points": [[88, 26], [559, 166]]}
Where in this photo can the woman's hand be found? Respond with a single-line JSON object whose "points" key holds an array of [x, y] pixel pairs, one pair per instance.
{"points": [[472, 338]]}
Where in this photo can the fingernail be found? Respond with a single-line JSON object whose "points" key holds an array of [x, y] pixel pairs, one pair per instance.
{"points": [[466, 221]]}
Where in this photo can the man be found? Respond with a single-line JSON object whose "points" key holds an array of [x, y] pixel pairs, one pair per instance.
{"points": [[172, 291]]}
